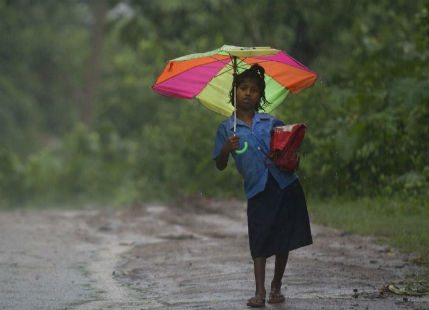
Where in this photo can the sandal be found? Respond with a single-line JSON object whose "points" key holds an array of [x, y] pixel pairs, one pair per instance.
{"points": [[256, 301], [276, 297]]}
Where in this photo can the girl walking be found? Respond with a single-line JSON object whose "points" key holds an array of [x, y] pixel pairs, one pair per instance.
{"points": [[276, 208]]}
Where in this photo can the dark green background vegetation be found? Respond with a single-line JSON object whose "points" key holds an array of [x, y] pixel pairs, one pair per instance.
{"points": [[79, 123]]}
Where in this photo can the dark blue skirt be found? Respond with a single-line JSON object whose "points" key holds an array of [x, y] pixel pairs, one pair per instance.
{"points": [[278, 220]]}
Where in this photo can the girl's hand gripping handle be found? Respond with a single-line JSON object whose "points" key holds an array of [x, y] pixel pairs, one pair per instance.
{"points": [[243, 149], [232, 143], [236, 142]]}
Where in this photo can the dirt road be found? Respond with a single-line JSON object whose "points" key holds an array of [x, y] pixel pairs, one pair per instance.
{"points": [[193, 255]]}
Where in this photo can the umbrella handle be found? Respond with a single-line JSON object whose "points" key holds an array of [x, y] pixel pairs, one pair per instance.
{"points": [[243, 149]]}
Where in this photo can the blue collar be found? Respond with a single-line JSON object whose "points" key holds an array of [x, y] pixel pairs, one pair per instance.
{"points": [[256, 118]]}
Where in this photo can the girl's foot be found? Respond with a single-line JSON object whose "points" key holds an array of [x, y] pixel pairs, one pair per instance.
{"points": [[276, 296], [257, 301]]}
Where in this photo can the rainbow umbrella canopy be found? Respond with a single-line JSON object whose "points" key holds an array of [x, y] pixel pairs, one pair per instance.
{"points": [[208, 76]]}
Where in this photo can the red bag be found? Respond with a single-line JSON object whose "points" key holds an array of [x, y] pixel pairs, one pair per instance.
{"points": [[285, 144]]}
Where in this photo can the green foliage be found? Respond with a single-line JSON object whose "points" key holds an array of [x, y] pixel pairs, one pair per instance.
{"points": [[178, 153], [41, 55], [400, 222], [369, 134], [366, 116]]}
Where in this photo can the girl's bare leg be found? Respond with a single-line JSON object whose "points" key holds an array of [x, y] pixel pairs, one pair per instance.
{"points": [[259, 265], [279, 270]]}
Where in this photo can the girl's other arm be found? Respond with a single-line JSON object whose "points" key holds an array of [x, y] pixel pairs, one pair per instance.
{"points": [[231, 144]]}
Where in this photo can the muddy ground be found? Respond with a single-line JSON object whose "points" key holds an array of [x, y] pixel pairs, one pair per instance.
{"points": [[191, 255]]}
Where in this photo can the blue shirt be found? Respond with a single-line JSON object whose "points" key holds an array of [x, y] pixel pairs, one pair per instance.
{"points": [[251, 164]]}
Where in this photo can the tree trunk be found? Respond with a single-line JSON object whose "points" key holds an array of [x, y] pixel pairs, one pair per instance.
{"points": [[89, 102]]}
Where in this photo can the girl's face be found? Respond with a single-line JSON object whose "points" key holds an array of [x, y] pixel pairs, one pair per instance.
{"points": [[248, 95]]}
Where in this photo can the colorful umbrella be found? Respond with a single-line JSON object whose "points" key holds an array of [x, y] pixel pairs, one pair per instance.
{"points": [[208, 76]]}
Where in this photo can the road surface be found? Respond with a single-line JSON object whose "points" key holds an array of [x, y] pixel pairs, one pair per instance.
{"points": [[190, 255]]}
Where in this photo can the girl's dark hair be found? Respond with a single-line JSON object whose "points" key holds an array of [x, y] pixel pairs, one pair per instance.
{"points": [[255, 72]]}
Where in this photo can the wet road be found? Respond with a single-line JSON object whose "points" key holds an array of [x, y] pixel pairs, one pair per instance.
{"points": [[189, 256]]}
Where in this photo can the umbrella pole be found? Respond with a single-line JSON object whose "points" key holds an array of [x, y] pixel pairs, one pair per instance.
{"points": [[234, 75], [235, 108]]}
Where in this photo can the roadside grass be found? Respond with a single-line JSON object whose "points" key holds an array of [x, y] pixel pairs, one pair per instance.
{"points": [[403, 224]]}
